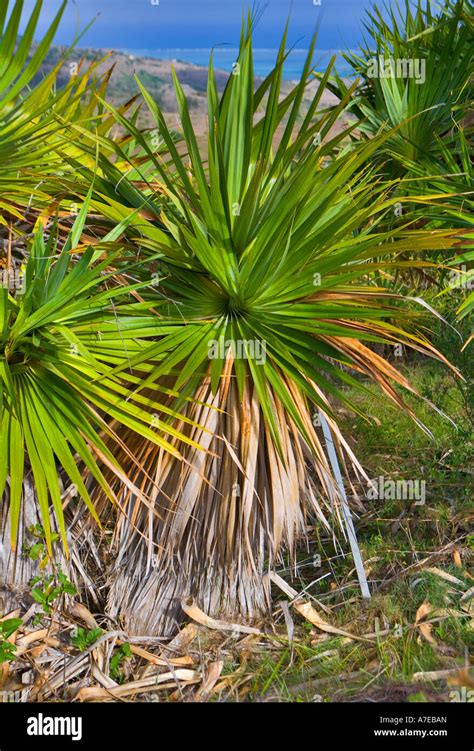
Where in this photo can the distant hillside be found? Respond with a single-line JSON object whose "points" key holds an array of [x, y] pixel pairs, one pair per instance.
{"points": [[156, 76]]}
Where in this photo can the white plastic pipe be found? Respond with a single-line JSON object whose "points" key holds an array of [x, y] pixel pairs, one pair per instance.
{"points": [[346, 512]]}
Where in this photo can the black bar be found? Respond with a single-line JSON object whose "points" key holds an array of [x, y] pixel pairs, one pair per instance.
{"points": [[112, 726]]}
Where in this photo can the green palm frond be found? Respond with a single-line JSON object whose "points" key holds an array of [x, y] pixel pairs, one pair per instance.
{"points": [[36, 117], [17, 66], [68, 334]]}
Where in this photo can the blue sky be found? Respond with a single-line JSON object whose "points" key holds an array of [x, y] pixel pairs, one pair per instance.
{"points": [[202, 23]]}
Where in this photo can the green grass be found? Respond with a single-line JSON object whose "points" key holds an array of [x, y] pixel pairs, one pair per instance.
{"points": [[393, 535]]}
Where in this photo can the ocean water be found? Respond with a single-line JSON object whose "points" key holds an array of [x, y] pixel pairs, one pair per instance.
{"points": [[264, 59]]}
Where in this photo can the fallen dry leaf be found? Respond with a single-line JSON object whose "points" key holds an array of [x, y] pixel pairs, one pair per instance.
{"points": [[81, 612], [435, 675], [422, 612], [155, 683], [192, 611], [212, 676], [444, 575], [462, 677], [467, 595], [149, 657], [310, 613], [182, 640], [457, 559], [426, 629]]}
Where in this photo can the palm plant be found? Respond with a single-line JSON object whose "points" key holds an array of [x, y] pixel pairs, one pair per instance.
{"points": [[36, 117], [415, 73], [68, 336], [265, 258], [415, 78]]}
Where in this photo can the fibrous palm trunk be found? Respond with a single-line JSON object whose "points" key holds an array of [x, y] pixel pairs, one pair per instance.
{"points": [[219, 521], [17, 568]]}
